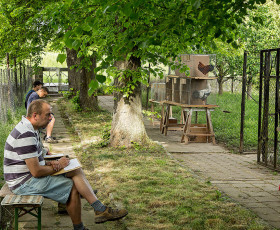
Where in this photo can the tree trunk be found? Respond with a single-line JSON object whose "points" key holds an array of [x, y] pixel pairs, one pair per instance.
{"points": [[74, 75], [221, 89], [127, 125], [86, 101], [79, 79]]}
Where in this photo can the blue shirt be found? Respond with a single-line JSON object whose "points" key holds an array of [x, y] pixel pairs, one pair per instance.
{"points": [[27, 96], [34, 96]]}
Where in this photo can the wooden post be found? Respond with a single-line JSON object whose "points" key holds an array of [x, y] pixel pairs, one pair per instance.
{"points": [[9, 80], [39, 74], [20, 83], [176, 82], [168, 89], [58, 72], [244, 81], [15, 74]]}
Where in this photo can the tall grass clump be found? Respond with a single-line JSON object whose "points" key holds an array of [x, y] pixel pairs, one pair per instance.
{"points": [[13, 117]]}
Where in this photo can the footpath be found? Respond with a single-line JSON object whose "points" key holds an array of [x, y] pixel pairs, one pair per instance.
{"points": [[51, 220], [238, 176]]}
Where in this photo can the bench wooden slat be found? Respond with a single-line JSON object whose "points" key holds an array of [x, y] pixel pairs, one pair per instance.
{"points": [[22, 201]]}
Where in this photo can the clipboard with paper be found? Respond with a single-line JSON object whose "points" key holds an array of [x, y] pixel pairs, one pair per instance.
{"points": [[73, 164]]}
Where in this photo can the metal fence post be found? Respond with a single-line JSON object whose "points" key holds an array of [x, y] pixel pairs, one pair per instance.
{"points": [[276, 110], [244, 82]]}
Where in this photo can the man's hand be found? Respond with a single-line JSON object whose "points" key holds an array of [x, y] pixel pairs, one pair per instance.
{"points": [[60, 164], [56, 166]]}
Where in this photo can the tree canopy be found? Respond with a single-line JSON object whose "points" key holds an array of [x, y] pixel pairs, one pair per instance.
{"points": [[123, 35]]}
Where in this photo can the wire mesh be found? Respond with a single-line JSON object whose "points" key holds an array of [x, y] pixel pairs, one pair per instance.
{"points": [[268, 151], [13, 87], [226, 118]]}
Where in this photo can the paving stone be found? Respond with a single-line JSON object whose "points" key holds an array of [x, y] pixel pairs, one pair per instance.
{"points": [[239, 176], [267, 199]]}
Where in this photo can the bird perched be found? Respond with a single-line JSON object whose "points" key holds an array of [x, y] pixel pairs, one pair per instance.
{"points": [[202, 94], [205, 68]]}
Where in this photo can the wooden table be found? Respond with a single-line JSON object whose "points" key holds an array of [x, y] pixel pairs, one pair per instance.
{"points": [[190, 131]]}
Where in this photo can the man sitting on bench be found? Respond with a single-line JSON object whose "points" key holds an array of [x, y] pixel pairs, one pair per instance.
{"points": [[26, 173], [41, 93]]}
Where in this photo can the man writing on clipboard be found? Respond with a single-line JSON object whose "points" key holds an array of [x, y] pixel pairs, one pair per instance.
{"points": [[26, 173]]}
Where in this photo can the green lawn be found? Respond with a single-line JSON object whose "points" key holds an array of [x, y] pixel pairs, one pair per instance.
{"points": [[157, 192], [226, 120]]}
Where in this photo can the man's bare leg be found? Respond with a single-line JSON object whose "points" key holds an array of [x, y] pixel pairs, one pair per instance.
{"points": [[49, 127], [73, 206], [102, 212], [82, 185]]}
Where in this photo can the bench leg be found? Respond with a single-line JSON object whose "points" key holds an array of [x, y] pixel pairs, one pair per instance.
{"points": [[16, 218], [39, 218]]}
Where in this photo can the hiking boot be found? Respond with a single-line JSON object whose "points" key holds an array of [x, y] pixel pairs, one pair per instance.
{"points": [[109, 215], [50, 140]]}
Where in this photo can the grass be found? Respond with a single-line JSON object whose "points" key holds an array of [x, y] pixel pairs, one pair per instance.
{"points": [[226, 121], [157, 192], [5, 128]]}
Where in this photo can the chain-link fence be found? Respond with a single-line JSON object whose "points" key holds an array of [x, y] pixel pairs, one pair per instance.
{"points": [[14, 84], [268, 149], [227, 118]]}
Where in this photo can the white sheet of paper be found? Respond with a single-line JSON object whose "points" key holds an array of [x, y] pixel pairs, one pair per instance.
{"points": [[54, 155], [74, 163]]}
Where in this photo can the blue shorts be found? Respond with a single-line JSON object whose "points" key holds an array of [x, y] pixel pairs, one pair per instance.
{"points": [[57, 188]]}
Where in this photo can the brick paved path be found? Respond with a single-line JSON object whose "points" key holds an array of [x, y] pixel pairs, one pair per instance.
{"points": [[238, 176]]}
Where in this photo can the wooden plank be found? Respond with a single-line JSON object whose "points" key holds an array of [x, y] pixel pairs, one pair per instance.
{"points": [[189, 106], [200, 78], [199, 134], [22, 201], [54, 69]]}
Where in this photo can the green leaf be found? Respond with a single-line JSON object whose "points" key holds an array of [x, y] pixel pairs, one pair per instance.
{"points": [[87, 27], [76, 44], [69, 42], [93, 85], [196, 4], [218, 33], [127, 10], [101, 78], [189, 9], [61, 58], [79, 31], [68, 2]]}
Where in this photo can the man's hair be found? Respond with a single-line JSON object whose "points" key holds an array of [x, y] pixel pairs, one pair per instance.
{"points": [[45, 89], [35, 83], [36, 106]]}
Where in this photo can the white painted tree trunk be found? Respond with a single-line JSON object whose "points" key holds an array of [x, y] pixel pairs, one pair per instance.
{"points": [[127, 125]]}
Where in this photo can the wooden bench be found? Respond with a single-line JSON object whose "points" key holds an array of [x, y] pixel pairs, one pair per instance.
{"points": [[22, 204]]}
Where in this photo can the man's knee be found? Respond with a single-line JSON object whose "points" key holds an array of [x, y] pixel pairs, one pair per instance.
{"points": [[75, 172]]}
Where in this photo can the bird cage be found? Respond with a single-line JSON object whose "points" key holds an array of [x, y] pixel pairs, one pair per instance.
{"points": [[196, 87], [158, 91]]}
